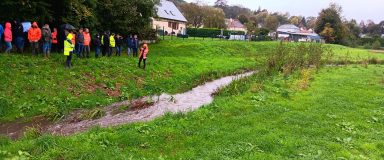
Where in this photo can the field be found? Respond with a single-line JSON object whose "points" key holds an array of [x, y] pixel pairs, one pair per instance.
{"points": [[331, 113]]}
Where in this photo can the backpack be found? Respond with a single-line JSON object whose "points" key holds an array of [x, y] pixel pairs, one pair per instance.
{"points": [[47, 35]]}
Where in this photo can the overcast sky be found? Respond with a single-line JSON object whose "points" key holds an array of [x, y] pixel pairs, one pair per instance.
{"points": [[356, 9]]}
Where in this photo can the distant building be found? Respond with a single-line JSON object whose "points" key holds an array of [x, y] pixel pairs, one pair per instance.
{"points": [[169, 18], [291, 32], [235, 25]]}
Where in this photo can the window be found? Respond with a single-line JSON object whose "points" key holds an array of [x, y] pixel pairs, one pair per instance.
{"points": [[173, 25], [166, 12], [171, 13]]}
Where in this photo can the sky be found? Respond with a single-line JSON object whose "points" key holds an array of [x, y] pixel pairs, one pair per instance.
{"points": [[352, 9]]}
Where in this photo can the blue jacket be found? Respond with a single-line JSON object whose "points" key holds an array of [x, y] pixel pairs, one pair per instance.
{"points": [[130, 42], [135, 43], [1, 30]]}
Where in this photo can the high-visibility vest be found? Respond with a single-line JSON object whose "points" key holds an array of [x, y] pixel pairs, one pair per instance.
{"points": [[68, 47], [112, 42], [102, 40]]}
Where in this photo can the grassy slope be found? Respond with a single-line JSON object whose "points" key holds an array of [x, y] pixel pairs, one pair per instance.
{"points": [[355, 54], [31, 86]]}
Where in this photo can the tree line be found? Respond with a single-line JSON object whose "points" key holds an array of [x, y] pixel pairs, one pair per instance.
{"points": [[122, 16], [329, 23]]}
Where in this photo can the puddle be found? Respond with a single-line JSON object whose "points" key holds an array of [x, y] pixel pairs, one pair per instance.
{"points": [[184, 102], [15, 130]]}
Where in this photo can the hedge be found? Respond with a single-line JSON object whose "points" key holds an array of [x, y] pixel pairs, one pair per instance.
{"points": [[211, 32]]}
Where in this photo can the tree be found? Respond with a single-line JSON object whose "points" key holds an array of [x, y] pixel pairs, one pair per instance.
{"points": [[311, 22], [26, 10], [193, 13], [243, 19], [213, 17], [271, 22], [374, 30], [328, 33], [331, 16], [295, 20], [221, 4]]}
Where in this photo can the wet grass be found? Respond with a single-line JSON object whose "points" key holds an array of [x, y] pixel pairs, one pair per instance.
{"points": [[330, 113], [33, 86], [339, 116]]}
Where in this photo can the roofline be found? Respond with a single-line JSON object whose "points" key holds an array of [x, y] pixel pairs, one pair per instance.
{"points": [[172, 19]]}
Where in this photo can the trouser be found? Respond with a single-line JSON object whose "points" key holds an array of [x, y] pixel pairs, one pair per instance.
{"points": [[46, 48], [134, 52], [20, 44], [87, 50], [111, 49], [97, 51], [54, 47], [9, 47], [129, 50], [69, 61], [118, 50], [142, 59], [35, 48], [106, 50], [80, 50]]}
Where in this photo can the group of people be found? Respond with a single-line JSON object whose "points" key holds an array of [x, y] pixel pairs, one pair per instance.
{"points": [[15, 33], [75, 42]]}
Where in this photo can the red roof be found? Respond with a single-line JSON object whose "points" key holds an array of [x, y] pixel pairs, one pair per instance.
{"points": [[234, 23]]}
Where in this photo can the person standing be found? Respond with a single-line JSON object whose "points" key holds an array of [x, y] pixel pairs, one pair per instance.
{"points": [[54, 40], [135, 45], [105, 43], [129, 45], [1, 35], [8, 37], [47, 40], [18, 33], [97, 44], [87, 41], [68, 48], [119, 44], [34, 35], [143, 54], [112, 44], [80, 43]]}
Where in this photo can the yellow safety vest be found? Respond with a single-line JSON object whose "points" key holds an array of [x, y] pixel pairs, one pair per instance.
{"points": [[68, 47], [112, 42], [102, 40]]}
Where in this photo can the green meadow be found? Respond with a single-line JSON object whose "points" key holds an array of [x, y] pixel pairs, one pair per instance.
{"points": [[333, 112]]}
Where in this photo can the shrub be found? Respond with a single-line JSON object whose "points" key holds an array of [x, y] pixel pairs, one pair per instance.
{"points": [[376, 45], [367, 46], [211, 32]]}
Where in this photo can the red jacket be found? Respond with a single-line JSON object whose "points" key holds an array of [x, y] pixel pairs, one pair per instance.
{"points": [[54, 37], [34, 34], [87, 39], [8, 32]]}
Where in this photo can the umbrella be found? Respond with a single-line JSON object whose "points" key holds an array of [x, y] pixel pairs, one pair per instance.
{"points": [[67, 26], [26, 26]]}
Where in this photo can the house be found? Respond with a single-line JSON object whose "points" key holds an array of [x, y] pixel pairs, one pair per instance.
{"points": [[293, 33], [169, 18], [235, 25]]}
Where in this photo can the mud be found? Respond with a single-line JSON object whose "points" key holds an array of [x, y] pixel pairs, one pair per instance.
{"points": [[15, 130]]}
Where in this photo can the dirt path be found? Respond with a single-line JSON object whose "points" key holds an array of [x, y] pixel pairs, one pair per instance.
{"points": [[184, 102]]}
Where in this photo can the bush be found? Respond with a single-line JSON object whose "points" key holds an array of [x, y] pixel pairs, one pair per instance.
{"points": [[367, 46], [211, 32], [376, 45]]}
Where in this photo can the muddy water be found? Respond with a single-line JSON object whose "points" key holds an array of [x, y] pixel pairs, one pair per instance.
{"points": [[184, 102]]}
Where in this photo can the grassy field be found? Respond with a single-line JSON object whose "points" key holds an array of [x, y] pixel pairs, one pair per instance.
{"points": [[333, 113], [32, 85], [339, 115]]}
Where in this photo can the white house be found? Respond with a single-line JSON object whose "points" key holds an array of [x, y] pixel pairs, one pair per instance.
{"points": [[293, 33], [169, 18]]}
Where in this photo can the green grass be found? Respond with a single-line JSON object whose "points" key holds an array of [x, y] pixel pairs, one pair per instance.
{"points": [[32, 85], [354, 54], [339, 116]]}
